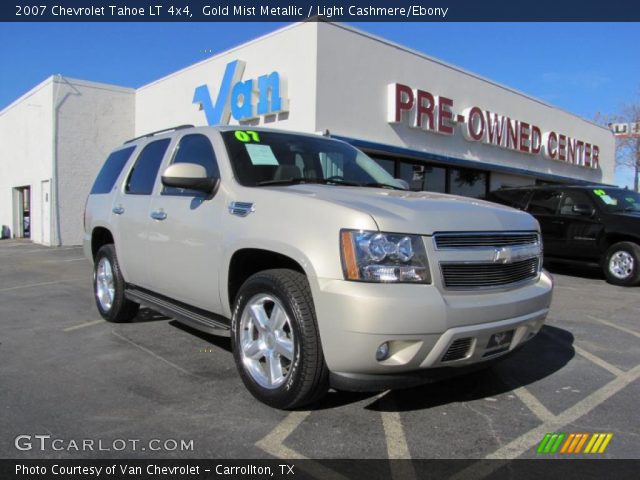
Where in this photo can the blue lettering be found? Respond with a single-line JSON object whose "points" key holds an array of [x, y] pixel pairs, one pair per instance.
{"points": [[269, 87], [242, 101], [236, 97]]}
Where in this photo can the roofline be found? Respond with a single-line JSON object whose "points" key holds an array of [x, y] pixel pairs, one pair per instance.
{"points": [[27, 94], [225, 52], [91, 84], [64, 79], [457, 69]]}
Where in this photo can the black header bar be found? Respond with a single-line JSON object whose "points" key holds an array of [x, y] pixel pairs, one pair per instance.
{"points": [[333, 10]]}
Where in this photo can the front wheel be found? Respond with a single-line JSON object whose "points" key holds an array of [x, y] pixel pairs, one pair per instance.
{"points": [[622, 264], [276, 345], [109, 286]]}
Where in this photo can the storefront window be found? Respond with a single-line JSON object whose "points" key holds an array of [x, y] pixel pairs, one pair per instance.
{"points": [[468, 182], [423, 177], [431, 178], [388, 165], [435, 179]]}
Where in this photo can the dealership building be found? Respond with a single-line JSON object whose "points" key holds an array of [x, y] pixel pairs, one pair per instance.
{"points": [[438, 127]]}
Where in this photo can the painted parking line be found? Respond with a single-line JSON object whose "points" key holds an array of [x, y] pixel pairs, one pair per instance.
{"points": [[66, 260], [397, 446], [22, 253], [273, 444], [530, 439], [67, 281], [153, 354], [615, 325], [533, 404], [83, 325], [396, 442], [29, 285], [597, 360], [483, 469]]}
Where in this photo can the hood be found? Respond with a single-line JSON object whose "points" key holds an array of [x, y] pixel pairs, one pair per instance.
{"points": [[419, 212]]}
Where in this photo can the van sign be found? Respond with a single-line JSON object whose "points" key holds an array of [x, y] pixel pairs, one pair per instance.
{"points": [[244, 100]]}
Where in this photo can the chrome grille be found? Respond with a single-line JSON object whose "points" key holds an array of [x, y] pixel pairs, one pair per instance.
{"points": [[488, 239], [482, 275], [458, 350]]}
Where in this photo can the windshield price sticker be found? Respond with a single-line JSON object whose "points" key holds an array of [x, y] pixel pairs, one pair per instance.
{"points": [[247, 136], [599, 192]]}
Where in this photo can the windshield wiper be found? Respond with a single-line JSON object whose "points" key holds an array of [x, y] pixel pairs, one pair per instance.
{"points": [[325, 181], [288, 181], [382, 185], [297, 181], [341, 181]]}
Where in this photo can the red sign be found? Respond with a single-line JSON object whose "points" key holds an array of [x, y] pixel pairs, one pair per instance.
{"points": [[425, 111]]}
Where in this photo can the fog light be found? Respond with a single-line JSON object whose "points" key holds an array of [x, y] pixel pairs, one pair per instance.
{"points": [[382, 353]]}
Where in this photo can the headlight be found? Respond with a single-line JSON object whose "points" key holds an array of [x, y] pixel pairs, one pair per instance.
{"points": [[383, 257]]}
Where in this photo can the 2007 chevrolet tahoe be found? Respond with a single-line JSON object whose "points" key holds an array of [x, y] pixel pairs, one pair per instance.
{"points": [[323, 269]]}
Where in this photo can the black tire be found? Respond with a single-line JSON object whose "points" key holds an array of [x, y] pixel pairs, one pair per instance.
{"points": [[121, 309], [612, 267], [307, 378]]}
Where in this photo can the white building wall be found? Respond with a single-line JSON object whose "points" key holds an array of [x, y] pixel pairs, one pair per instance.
{"points": [[26, 133], [290, 51], [355, 69], [92, 119]]}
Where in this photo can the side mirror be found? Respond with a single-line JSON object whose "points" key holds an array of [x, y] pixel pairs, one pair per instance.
{"points": [[583, 209], [190, 176], [403, 183]]}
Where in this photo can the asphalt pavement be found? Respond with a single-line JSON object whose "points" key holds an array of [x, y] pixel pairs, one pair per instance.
{"points": [[74, 386]]}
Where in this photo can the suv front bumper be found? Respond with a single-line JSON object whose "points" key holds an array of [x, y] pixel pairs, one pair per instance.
{"points": [[426, 329]]}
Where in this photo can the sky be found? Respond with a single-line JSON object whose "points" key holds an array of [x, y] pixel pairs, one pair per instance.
{"points": [[584, 68]]}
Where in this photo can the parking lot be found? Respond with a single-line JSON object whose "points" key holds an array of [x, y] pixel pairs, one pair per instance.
{"points": [[66, 373]]}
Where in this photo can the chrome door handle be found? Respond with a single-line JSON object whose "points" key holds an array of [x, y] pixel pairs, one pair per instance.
{"points": [[118, 210], [158, 215]]}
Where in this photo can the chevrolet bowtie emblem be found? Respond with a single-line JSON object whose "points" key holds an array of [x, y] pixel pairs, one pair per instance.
{"points": [[516, 253], [502, 255]]}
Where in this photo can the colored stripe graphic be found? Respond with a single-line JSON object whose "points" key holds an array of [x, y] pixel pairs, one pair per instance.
{"points": [[574, 443], [598, 443], [550, 443]]}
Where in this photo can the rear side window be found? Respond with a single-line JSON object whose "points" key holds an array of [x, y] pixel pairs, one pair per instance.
{"points": [[145, 171], [545, 202], [111, 171]]}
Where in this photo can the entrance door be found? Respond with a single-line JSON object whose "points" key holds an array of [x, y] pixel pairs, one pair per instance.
{"points": [[45, 212], [22, 212]]}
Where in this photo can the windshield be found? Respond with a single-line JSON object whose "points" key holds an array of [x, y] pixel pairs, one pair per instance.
{"points": [[273, 158], [617, 199]]}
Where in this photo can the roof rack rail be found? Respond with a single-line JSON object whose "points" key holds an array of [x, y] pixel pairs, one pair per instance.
{"points": [[170, 129]]}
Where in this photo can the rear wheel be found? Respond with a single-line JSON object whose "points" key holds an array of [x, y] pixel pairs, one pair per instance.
{"points": [[109, 286], [622, 264], [275, 340]]}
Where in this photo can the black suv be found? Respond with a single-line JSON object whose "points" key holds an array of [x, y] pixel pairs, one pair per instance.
{"points": [[585, 224]]}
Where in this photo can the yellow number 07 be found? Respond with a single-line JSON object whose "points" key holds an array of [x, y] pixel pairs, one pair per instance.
{"points": [[246, 136]]}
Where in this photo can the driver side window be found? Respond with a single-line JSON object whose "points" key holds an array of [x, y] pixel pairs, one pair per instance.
{"points": [[569, 199], [195, 148]]}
